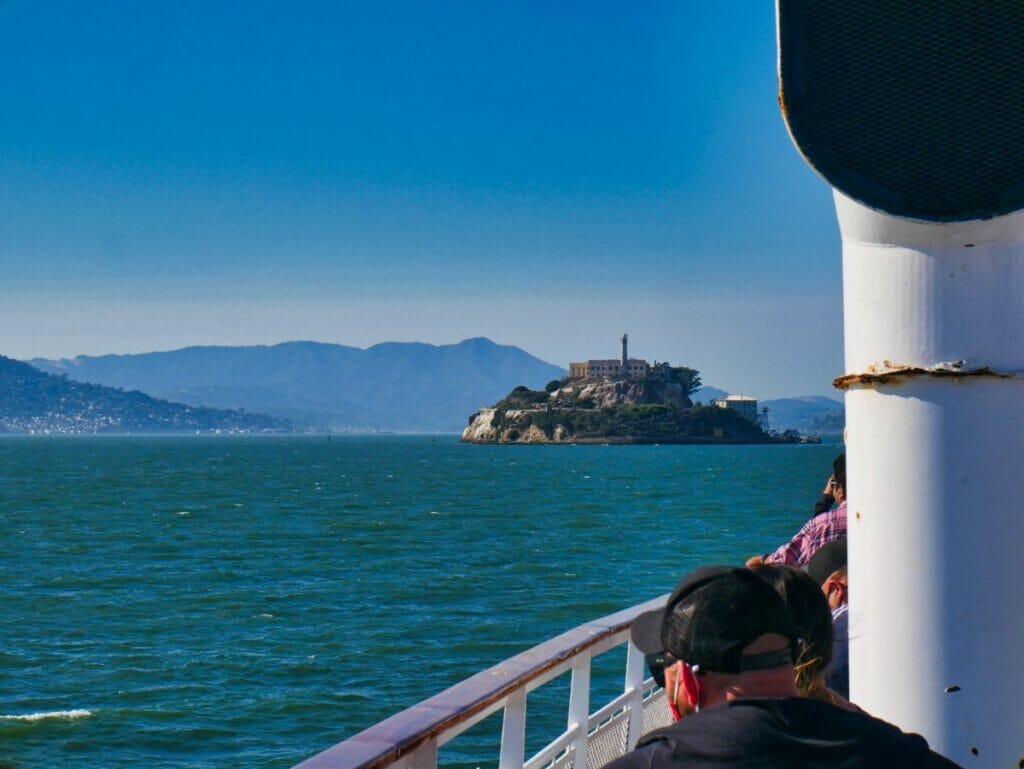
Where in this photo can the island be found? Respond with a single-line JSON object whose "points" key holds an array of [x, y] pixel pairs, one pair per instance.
{"points": [[623, 400]]}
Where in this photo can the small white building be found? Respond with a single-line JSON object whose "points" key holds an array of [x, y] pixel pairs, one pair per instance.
{"points": [[743, 405]]}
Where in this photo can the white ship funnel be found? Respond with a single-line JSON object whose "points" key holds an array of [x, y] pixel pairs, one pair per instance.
{"points": [[914, 113]]}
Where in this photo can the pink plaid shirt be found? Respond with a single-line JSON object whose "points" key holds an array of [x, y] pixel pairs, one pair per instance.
{"points": [[818, 531]]}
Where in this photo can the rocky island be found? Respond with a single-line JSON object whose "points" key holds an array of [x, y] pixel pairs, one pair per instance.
{"points": [[620, 401]]}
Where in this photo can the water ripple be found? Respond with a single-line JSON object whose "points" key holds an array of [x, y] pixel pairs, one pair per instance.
{"points": [[232, 602]]}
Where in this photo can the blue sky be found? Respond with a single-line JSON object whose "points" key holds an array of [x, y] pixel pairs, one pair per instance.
{"points": [[548, 175]]}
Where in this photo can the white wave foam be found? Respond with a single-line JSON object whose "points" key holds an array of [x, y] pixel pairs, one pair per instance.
{"points": [[65, 714]]}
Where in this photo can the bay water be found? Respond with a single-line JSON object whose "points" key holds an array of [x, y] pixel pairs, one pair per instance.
{"points": [[250, 601]]}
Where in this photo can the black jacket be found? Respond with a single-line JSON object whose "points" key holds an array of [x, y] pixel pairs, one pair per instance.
{"points": [[824, 503], [782, 732]]}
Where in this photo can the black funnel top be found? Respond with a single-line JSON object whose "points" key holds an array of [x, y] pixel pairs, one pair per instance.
{"points": [[912, 107]]}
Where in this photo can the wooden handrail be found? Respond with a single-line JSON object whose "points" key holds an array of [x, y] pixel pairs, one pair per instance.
{"points": [[467, 702]]}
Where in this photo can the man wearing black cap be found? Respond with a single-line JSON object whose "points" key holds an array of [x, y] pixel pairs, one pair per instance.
{"points": [[728, 645]]}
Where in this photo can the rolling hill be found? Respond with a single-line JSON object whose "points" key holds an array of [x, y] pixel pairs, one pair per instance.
{"points": [[35, 402], [394, 386]]}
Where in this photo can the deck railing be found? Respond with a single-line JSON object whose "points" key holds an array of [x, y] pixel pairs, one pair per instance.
{"points": [[410, 739]]}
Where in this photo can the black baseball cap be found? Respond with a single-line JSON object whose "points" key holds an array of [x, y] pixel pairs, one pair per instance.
{"points": [[714, 612], [827, 560]]}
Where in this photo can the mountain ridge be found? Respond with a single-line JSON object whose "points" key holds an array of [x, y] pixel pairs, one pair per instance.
{"points": [[392, 386], [395, 386]]}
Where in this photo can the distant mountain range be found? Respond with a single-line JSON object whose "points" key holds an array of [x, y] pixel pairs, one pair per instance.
{"points": [[395, 386], [810, 414], [34, 402], [402, 387]]}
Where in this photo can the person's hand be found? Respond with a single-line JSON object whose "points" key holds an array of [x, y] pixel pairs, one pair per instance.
{"points": [[828, 486], [754, 562]]}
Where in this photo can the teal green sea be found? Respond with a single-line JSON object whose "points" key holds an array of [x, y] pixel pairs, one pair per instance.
{"points": [[236, 602]]}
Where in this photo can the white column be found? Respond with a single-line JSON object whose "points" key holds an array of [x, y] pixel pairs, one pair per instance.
{"points": [[935, 467]]}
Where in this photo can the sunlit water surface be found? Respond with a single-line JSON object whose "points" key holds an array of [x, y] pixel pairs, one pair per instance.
{"points": [[234, 602]]}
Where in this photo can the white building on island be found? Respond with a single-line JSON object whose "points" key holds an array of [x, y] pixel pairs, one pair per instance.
{"points": [[743, 405]]}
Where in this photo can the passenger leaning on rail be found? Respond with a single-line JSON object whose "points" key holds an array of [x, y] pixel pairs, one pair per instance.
{"points": [[819, 531], [730, 678]]}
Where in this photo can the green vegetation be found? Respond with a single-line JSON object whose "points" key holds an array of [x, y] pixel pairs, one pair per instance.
{"points": [[644, 423], [523, 397], [687, 378], [618, 411]]}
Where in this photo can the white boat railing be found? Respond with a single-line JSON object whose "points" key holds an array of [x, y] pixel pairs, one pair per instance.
{"points": [[410, 739]]}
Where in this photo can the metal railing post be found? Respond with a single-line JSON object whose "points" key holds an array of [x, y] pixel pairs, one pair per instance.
{"points": [[579, 709], [424, 757], [634, 684], [513, 731]]}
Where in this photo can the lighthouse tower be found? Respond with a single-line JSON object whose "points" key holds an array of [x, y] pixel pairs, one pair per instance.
{"points": [[625, 357]]}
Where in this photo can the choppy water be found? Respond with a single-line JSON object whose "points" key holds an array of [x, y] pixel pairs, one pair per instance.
{"points": [[230, 602]]}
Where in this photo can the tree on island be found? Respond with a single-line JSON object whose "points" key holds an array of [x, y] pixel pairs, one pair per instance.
{"points": [[687, 378]]}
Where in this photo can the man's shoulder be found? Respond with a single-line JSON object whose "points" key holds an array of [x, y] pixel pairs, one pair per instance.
{"points": [[779, 732], [829, 517], [827, 521], [644, 757]]}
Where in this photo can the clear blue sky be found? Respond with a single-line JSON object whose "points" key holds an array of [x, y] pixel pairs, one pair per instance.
{"points": [[548, 175]]}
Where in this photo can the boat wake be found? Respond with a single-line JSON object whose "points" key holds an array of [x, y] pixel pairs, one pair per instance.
{"points": [[67, 715]]}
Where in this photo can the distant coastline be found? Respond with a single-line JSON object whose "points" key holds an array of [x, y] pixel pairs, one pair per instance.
{"points": [[35, 403], [314, 387]]}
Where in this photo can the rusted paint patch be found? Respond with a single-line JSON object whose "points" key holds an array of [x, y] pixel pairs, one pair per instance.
{"points": [[879, 375]]}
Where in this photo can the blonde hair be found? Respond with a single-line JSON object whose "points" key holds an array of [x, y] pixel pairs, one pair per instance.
{"points": [[812, 620]]}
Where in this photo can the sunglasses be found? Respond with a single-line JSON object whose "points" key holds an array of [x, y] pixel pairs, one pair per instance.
{"points": [[657, 663]]}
